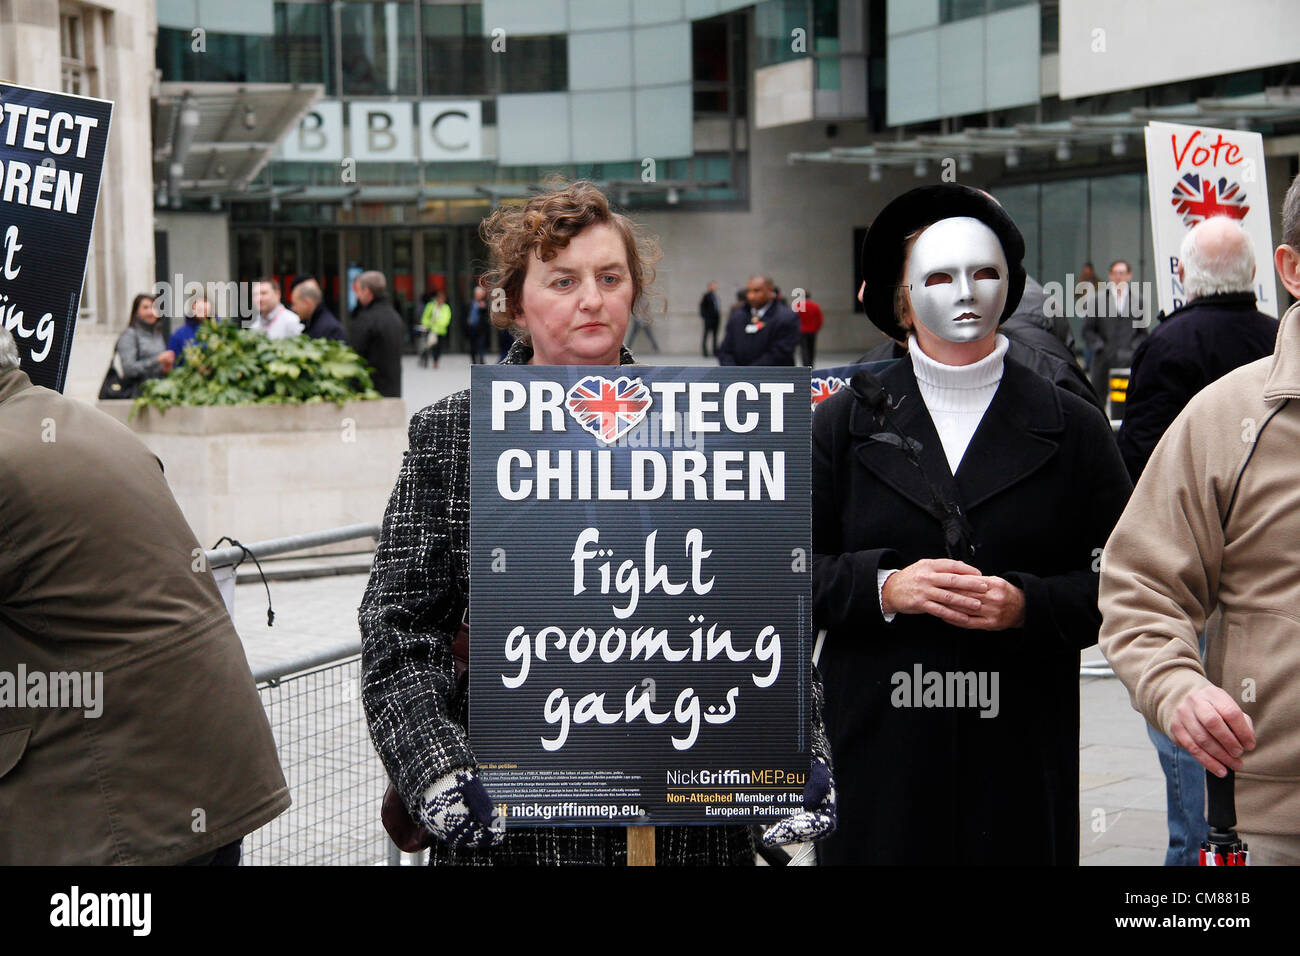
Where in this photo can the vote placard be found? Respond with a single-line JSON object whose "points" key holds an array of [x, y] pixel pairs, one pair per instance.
{"points": [[51, 155], [1198, 172], [640, 593]]}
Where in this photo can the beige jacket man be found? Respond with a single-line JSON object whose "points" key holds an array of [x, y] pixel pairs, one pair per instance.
{"points": [[1212, 532], [130, 727]]}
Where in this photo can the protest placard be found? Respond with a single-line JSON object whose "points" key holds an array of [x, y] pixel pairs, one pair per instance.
{"points": [[1193, 174], [640, 603], [51, 156]]}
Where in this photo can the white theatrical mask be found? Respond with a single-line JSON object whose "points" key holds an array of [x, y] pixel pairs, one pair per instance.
{"points": [[957, 279]]}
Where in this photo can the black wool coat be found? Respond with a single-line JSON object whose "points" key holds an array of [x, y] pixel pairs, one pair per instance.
{"points": [[1042, 485], [1194, 346], [377, 336]]}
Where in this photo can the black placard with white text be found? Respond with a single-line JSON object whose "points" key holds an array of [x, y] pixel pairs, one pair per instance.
{"points": [[51, 156], [640, 598]]}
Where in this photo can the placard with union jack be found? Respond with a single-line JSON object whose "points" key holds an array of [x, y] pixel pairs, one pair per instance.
{"points": [[640, 593], [1195, 173]]}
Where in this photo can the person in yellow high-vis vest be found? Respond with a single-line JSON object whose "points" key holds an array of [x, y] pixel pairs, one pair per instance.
{"points": [[437, 319]]}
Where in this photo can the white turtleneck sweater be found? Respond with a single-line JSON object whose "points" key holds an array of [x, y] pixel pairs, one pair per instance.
{"points": [[956, 396]]}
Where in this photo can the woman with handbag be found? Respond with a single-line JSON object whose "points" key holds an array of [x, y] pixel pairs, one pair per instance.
{"points": [[571, 271], [141, 353], [960, 502]]}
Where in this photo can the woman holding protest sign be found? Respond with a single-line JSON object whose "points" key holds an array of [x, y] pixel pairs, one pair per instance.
{"points": [[960, 503], [567, 272]]}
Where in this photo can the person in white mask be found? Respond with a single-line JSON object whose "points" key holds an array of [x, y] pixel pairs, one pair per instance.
{"points": [[959, 503]]}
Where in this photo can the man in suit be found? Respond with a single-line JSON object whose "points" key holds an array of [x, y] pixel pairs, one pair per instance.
{"points": [[764, 333], [1115, 325]]}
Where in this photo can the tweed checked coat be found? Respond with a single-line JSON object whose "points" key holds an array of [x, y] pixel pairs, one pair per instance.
{"points": [[413, 605]]}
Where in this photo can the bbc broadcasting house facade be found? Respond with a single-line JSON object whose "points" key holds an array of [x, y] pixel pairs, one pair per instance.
{"points": [[328, 137]]}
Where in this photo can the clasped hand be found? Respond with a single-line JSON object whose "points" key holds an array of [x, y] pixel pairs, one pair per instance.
{"points": [[954, 592]]}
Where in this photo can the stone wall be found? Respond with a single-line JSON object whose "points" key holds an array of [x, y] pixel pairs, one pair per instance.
{"points": [[255, 472]]}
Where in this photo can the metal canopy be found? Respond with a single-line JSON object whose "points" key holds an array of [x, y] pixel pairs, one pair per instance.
{"points": [[1275, 105], [211, 139]]}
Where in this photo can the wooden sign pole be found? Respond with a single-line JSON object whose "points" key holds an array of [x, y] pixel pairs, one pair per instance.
{"points": [[640, 846]]}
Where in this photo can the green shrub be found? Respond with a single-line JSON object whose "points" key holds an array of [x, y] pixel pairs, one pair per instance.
{"points": [[228, 365]]}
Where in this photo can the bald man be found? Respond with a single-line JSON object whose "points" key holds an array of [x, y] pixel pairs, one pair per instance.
{"points": [[1218, 330]]}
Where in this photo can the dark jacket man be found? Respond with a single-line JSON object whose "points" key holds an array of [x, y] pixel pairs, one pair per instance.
{"points": [[1192, 347], [1115, 325], [324, 324], [377, 336], [768, 338], [711, 313], [709, 308], [98, 576]]}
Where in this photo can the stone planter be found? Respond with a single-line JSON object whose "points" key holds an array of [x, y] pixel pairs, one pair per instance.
{"points": [[267, 471]]}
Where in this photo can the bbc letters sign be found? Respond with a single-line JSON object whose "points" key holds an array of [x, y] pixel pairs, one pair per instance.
{"points": [[388, 131], [51, 157], [640, 598]]}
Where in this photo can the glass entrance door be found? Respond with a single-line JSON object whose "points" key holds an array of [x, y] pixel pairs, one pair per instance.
{"points": [[399, 269], [356, 255]]}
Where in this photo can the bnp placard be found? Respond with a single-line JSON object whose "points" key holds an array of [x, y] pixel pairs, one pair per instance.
{"points": [[51, 155], [640, 604], [1198, 172]]}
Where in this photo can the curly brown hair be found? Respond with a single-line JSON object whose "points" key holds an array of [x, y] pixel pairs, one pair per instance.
{"points": [[543, 226]]}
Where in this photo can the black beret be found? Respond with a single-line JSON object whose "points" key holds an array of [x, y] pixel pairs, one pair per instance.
{"points": [[882, 250]]}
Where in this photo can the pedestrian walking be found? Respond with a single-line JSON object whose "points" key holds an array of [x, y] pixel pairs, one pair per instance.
{"points": [[711, 315], [810, 323], [378, 332]]}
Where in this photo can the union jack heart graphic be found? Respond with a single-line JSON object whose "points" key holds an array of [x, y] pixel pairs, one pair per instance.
{"points": [[824, 388], [609, 409], [1197, 199]]}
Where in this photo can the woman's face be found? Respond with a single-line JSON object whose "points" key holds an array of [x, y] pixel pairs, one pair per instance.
{"points": [[145, 312], [957, 280], [576, 307]]}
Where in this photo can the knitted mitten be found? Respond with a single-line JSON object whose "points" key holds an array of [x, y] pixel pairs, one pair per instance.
{"points": [[817, 819], [458, 811]]}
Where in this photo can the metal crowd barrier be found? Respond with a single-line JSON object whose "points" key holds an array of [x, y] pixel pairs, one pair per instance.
{"points": [[334, 776], [313, 704]]}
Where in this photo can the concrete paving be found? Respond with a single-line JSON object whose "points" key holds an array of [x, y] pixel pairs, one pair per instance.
{"points": [[1121, 788]]}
